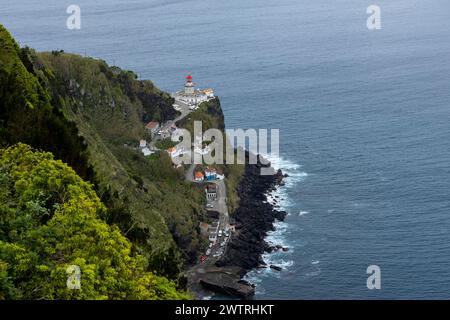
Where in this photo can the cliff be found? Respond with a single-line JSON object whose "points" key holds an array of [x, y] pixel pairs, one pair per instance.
{"points": [[92, 116], [147, 198], [51, 218], [254, 218]]}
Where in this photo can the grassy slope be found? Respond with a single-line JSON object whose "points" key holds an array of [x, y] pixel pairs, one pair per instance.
{"points": [[98, 110], [26, 114], [110, 108], [211, 115], [147, 211]]}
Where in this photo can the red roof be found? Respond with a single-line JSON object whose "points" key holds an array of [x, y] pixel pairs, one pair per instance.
{"points": [[189, 78], [198, 174], [152, 125]]}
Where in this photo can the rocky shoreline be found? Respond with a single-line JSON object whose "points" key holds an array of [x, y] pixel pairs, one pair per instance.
{"points": [[253, 219]]}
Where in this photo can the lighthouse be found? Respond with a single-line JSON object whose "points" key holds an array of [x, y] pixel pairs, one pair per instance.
{"points": [[191, 96], [189, 86]]}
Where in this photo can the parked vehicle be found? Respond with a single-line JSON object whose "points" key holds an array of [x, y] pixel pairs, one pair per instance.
{"points": [[208, 252]]}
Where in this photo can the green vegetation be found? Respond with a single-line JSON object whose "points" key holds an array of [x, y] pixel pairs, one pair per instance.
{"points": [[234, 174], [211, 115], [138, 219], [50, 219], [90, 115], [165, 144], [26, 114], [146, 197]]}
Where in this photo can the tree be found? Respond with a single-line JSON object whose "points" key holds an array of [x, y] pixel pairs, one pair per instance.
{"points": [[50, 220]]}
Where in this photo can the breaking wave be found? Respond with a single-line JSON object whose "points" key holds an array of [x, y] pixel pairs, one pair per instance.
{"points": [[281, 200]]}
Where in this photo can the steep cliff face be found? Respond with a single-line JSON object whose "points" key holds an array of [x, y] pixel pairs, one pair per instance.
{"points": [[147, 197], [82, 112], [92, 117], [26, 114], [254, 218]]}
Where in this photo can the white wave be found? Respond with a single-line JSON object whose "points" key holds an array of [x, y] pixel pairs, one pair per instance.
{"points": [[302, 213], [281, 200], [278, 162], [254, 276], [270, 259], [315, 262]]}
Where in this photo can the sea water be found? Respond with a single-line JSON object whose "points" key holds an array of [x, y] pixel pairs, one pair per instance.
{"points": [[363, 118]]}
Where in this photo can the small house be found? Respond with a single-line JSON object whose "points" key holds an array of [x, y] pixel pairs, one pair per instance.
{"points": [[199, 176], [174, 152], [142, 144], [211, 191], [152, 126], [210, 174], [209, 93]]}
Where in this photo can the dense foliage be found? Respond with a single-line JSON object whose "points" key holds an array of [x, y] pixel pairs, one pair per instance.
{"points": [[92, 116], [83, 112], [26, 114], [50, 219], [146, 197]]}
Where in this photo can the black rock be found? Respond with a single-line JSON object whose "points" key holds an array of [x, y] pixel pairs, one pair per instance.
{"points": [[274, 267], [254, 218]]}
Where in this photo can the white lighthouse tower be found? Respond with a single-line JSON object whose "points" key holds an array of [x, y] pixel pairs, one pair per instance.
{"points": [[191, 96], [189, 86]]}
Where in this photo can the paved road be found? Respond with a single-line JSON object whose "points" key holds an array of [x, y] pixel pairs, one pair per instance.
{"points": [[189, 175], [184, 109], [220, 205]]}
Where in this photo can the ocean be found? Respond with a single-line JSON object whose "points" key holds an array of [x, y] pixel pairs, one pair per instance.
{"points": [[364, 119]]}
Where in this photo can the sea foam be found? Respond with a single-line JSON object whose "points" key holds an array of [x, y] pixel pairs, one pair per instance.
{"points": [[281, 200]]}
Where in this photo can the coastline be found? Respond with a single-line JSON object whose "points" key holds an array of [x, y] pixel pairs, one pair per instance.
{"points": [[254, 218]]}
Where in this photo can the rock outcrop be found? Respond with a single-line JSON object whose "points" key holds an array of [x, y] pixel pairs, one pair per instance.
{"points": [[254, 218]]}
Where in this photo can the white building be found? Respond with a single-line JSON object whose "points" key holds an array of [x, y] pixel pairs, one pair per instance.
{"points": [[211, 191], [201, 151], [193, 96], [177, 151], [146, 151]]}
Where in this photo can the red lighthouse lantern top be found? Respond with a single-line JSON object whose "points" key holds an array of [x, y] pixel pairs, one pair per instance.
{"points": [[189, 78]]}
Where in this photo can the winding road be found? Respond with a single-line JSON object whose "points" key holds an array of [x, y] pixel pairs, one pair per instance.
{"points": [[219, 204]]}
